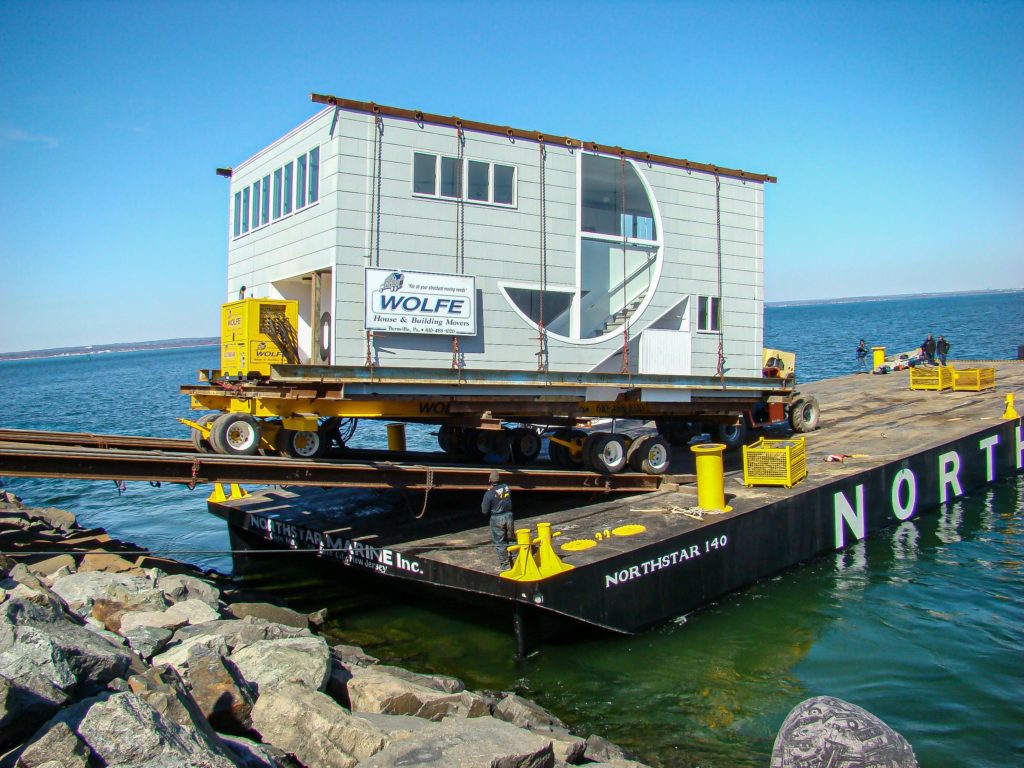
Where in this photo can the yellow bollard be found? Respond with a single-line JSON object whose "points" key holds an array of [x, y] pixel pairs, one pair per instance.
{"points": [[710, 476], [524, 568], [1010, 412], [548, 563], [877, 357], [396, 437]]}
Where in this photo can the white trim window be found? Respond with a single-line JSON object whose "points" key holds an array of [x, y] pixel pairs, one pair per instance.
{"points": [[709, 314], [296, 185], [475, 181]]}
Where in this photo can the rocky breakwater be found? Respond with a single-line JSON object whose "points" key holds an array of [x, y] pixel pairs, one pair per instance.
{"points": [[104, 663]]}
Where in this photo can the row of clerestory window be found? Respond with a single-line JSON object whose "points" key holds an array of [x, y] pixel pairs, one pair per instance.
{"points": [[289, 188]]}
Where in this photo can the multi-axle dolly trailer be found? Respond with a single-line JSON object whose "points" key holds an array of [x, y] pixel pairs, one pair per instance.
{"points": [[300, 410]]}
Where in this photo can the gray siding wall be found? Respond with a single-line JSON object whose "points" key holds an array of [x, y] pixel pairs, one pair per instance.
{"points": [[501, 245]]}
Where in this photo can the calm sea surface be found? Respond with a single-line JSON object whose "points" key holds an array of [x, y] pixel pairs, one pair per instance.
{"points": [[923, 624]]}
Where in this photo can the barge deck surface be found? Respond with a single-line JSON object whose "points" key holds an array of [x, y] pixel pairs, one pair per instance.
{"points": [[903, 443]]}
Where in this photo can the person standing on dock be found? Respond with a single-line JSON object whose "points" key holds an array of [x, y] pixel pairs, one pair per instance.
{"points": [[928, 350], [498, 504], [942, 348], [862, 357]]}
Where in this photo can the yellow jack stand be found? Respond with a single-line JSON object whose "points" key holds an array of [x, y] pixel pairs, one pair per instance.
{"points": [[1010, 412], [548, 563], [524, 568], [236, 492]]}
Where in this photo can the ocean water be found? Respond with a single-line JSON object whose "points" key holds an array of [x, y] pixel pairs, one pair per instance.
{"points": [[922, 624]]}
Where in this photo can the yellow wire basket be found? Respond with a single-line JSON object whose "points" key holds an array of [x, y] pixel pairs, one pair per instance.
{"points": [[973, 379], [775, 462]]}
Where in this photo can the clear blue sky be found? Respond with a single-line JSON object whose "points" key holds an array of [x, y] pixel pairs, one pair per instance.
{"points": [[896, 131]]}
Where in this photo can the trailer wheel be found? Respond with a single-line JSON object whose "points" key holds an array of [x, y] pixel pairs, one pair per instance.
{"points": [[650, 454], [676, 431], [563, 456], [605, 453], [304, 444], [466, 443], [731, 435], [444, 439], [804, 414], [235, 434], [525, 445], [200, 443]]}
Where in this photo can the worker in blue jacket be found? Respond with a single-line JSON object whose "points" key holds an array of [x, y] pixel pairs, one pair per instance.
{"points": [[498, 504]]}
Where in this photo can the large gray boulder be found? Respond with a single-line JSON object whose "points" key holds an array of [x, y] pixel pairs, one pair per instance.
{"points": [[458, 743], [147, 641], [58, 519], [232, 633], [274, 613], [57, 744], [826, 731], [181, 587], [165, 692], [265, 663], [124, 730], [526, 714], [80, 589], [252, 754], [370, 689], [442, 683], [314, 728], [219, 691], [51, 565], [26, 703], [600, 750], [36, 640]]}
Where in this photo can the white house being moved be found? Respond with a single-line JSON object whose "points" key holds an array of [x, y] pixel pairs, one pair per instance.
{"points": [[422, 241]]}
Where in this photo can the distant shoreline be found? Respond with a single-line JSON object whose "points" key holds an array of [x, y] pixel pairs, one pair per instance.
{"points": [[892, 297], [104, 349]]}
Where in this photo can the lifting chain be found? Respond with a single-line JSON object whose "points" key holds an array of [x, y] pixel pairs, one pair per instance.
{"points": [[721, 315], [458, 362], [542, 340], [378, 151], [195, 475], [369, 352], [625, 303]]}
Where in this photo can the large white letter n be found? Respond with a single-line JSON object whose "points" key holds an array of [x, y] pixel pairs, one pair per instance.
{"points": [[850, 516]]}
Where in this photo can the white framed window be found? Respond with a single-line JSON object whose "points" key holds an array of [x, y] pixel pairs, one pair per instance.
{"points": [[300, 182], [256, 204], [475, 181], [709, 314], [313, 190], [265, 212], [277, 193], [288, 169], [294, 185]]}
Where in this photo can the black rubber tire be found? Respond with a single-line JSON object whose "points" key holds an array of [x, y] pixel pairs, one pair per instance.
{"points": [[605, 453], [235, 434], [732, 436], [200, 443], [676, 431], [650, 454], [805, 414], [526, 445], [467, 443], [301, 445], [570, 461], [444, 438], [559, 454]]}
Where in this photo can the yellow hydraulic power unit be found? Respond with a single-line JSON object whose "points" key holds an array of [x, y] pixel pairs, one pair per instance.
{"points": [[256, 334]]}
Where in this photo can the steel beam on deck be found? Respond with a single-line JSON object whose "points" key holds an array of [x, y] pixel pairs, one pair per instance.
{"points": [[88, 463]]}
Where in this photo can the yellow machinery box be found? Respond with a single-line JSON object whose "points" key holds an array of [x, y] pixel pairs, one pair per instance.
{"points": [[935, 378], [256, 334], [775, 462], [973, 379]]}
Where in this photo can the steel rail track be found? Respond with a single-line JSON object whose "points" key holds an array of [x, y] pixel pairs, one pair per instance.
{"points": [[95, 440], [22, 459]]}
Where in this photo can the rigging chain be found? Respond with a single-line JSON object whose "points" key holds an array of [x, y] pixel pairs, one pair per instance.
{"points": [[542, 353]]}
